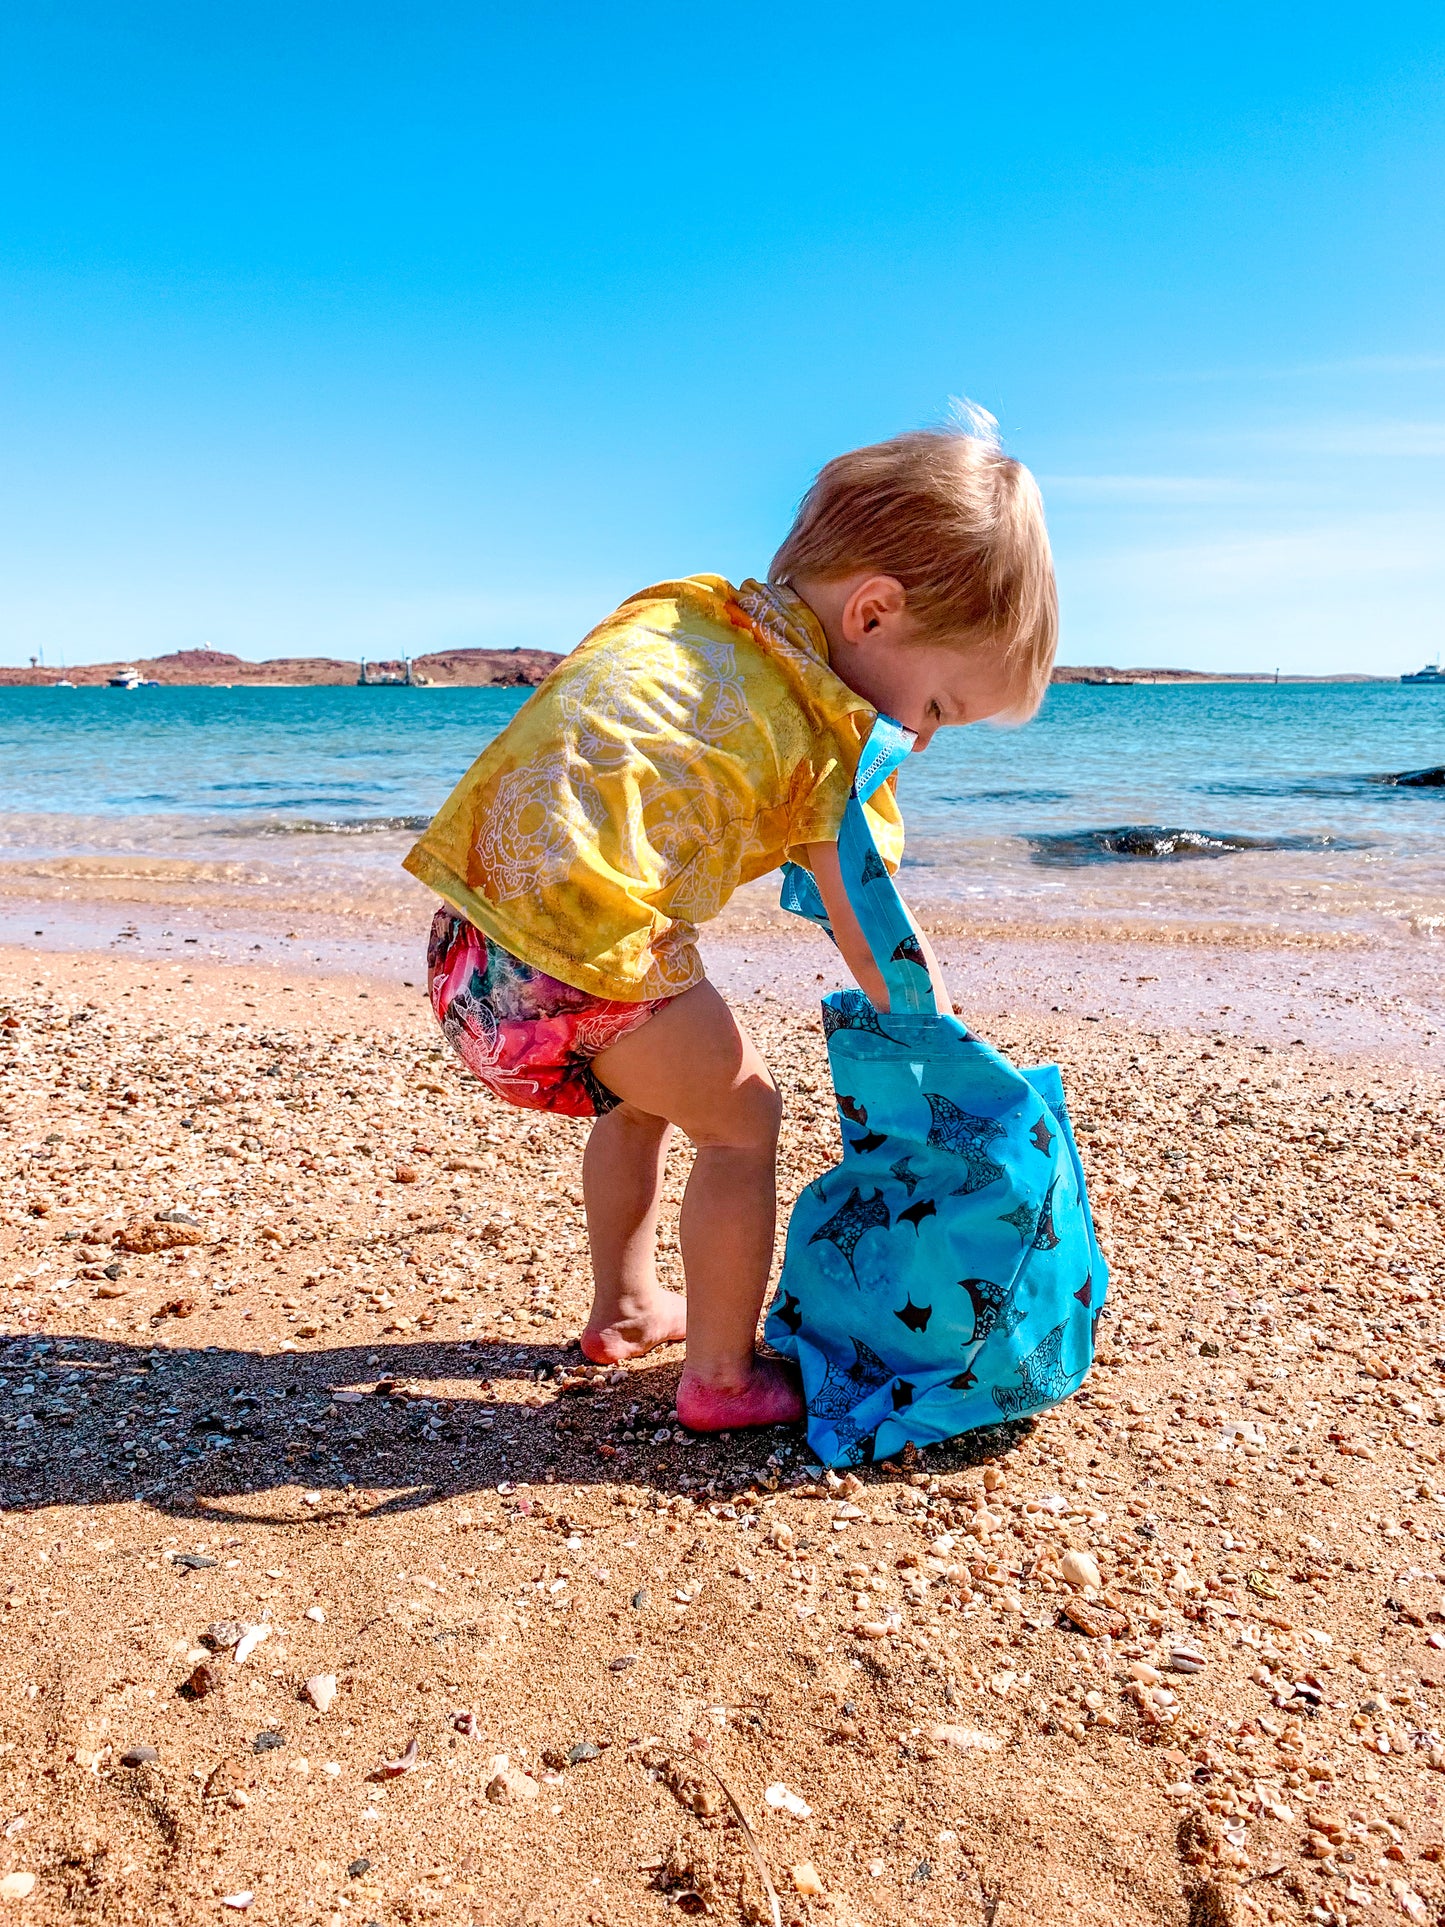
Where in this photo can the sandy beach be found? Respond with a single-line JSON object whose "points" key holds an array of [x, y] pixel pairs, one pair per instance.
{"points": [[289, 1311]]}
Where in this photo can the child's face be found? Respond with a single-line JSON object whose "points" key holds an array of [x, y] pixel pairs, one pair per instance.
{"points": [[931, 685], [874, 647]]}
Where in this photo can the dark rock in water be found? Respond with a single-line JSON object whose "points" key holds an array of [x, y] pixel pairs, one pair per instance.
{"points": [[1154, 843], [1417, 779]]}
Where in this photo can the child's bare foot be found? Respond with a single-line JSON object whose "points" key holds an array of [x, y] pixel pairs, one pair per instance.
{"points": [[769, 1395], [632, 1333]]}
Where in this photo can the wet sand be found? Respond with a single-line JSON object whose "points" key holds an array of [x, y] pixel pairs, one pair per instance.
{"points": [[1329, 989], [349, 1408]]}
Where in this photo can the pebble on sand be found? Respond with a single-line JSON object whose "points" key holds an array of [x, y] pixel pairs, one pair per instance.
{"points": [[149, 1236], [249, 1641], [968, 1739], [779, 1795], [511, 1785], [1081, 1569], [320, 1689]]}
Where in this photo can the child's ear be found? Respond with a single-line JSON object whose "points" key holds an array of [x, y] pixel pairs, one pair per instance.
{"points": [[870, 603]]}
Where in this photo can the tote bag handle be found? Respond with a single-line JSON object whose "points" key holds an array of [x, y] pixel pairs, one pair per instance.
{"points": [[884, 918]]}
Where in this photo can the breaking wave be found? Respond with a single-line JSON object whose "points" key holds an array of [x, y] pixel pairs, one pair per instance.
{"points": [[1154, 843], [330, 826]]}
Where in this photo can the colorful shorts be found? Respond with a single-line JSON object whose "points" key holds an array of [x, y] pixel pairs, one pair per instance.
{"points": [[526, 1036]]}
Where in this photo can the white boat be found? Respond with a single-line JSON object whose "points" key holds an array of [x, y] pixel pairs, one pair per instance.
{"points": [[62, 684], [1431, 673], [126, 678], [386, 675]]}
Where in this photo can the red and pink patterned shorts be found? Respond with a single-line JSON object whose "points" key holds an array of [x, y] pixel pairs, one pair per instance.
{"points": [[527, 1037]]}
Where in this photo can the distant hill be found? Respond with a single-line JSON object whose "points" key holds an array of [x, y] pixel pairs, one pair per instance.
{"points": [[448, 668], [490, 669], [1069, 673]]}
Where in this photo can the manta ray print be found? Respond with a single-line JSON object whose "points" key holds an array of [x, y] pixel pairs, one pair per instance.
{"points": [[1045, 1236], [847, 1226], [964, 1136], [1042, 1378], [846, 1386], [994, 1308]]}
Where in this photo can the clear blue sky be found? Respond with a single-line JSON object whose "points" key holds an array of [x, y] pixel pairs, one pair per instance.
{"points": [[341, 328]]}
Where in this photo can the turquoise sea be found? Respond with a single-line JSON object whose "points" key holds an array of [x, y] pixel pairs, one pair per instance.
{"points": [[1278, 792]]}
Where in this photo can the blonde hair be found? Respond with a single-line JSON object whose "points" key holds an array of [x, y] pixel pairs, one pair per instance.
{"points": [[959, 524]]}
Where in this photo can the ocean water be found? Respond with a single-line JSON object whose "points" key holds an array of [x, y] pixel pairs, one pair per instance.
{"points": [[1209, 802]]}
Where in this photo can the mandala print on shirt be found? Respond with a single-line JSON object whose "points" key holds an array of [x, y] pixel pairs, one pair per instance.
{"points": [[605, 713], [1042, 1378], [540, 816], [964, 1136], [695, 850], [762, 603], [722, 701], [675, 965]]}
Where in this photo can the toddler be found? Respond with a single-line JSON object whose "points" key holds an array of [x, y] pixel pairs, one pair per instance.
{"points": [[701, 736]]}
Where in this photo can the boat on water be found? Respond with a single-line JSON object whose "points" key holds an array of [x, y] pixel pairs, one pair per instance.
{"points": [[1431, 673], [390, 675], [127, 677], [64, 683]]}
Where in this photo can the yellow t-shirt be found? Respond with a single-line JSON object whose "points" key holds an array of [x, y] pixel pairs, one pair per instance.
{"points": [[694, 741]]}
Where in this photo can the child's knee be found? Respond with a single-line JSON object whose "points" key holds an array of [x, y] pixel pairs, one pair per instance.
{"points": [[770, 1108], [750, 1121]]}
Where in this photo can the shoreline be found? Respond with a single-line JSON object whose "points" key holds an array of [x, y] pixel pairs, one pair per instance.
{"points": [[1332, 990]]}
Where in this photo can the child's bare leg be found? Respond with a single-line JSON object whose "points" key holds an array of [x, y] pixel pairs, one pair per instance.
{"points": [[622, 1183], [691, 1065]]}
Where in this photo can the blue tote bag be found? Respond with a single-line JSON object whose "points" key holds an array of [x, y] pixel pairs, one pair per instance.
{"points": [[945, 1275]]}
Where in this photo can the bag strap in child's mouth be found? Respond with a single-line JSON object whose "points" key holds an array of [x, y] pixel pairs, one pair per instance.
{"points": [[883, 916]]}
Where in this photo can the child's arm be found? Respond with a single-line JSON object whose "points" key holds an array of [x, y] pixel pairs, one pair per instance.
{"points": [[823, 862]]}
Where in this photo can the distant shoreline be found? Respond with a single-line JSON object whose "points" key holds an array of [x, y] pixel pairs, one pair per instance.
{"points": [[215, 668], [503, 669], [1160, 678]]}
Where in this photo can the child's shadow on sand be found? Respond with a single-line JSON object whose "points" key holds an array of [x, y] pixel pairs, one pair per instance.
{"points": [[241, 1423]]}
